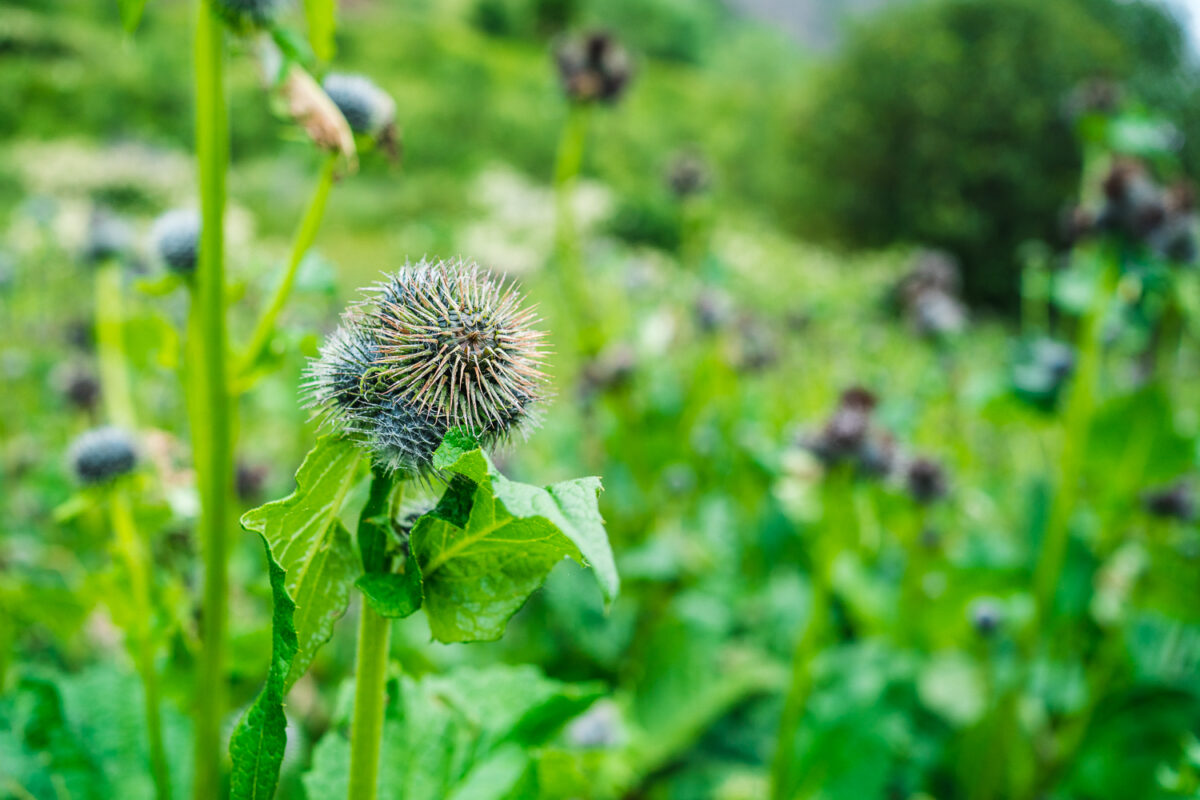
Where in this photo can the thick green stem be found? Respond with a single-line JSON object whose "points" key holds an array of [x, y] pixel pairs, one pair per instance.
{"points": [[136, 559], [1078, 418], [110, 344], [209, 405], [370, 689], [570, 261], [306, 233], [839, 529]]}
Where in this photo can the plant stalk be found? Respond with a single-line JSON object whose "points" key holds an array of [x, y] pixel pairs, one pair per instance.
{"points": [[110, 344], [370, 689], [570, 261], [306, 233], [209, 406], [132, 551], [1079, 410]]}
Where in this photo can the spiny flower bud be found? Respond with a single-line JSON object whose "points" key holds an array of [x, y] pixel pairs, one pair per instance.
{"points": [[103, 454], [986, 615], [79, 385], [687, 174], [245, 16], [108, 237], [367, 108], [594, 67], [436, 346], [925, 480], [176, 238], [1171, 502]]}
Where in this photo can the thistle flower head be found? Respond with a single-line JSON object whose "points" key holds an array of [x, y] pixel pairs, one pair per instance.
{"points": [[986, 615], [593, 67], [436, 346], [367, 108], [176, 238], [103, 454], [1176, 501], [687, 174], [925, 480], [79, 386], [108, 237], [244, 16]]}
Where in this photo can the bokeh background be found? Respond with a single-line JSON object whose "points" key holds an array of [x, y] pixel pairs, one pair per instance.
{"points": [[958, 207]]}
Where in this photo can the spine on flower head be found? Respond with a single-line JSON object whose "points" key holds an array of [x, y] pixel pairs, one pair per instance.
{"points": [[436, 346]]}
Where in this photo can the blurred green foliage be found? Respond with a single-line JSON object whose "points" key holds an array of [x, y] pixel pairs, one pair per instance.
{"points": [[948, 123]]}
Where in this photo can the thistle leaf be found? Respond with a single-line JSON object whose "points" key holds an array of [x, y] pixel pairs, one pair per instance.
{"points": [[311, 546], [491, 542], [258, 742]]}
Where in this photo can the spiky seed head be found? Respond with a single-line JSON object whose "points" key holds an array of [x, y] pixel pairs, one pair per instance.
{"points": [[593, 68], [176, 238], [108, 237], [246, 16], [103, 454], [365, 106], [437, 345]]}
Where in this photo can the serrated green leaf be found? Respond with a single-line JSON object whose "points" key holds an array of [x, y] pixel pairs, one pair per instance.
{"points": [[491, 542], [322, 22], [395, 595], [311, 546], [258, 742]]}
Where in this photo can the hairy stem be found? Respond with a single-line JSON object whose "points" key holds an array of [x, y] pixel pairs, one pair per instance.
{"points": [[135, 556], [110, 344], [209, 405], [370, 688], [306, 233]]}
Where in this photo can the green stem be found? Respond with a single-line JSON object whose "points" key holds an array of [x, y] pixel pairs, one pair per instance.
{"points": [[370, 689], [1078, 417], [131, 550], [839, 529], [110, 343], [570, 261], [209, 405], [306, 233]]}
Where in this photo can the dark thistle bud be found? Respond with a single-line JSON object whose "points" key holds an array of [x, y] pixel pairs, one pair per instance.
{"points": [[79, 385], [1134, 204], [249, 480], [937, 314], [611, 369], [176, 239], [108, 237], [986, 615], [436, 346], [594, 67], [369, 110], [713, 309], [925, 480], [1171, 502], [246, 16], [930, 271], [102, 455], [687, 175], [754, 348]]}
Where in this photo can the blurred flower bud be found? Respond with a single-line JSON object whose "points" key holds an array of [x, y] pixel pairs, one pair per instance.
{"points": [[986, 615], [593, 68], [102, 455], [249, 480], [925, 480], [687, 174], [1176, 501], [369, 110], [613, 368], [108, 237], [176, 238], [79, 385]]}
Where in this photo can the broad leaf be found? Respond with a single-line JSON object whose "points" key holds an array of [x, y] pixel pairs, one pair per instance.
{"points": [[491, 542], [393, 590], [258, 742], [311, 546], [393, 595]]}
